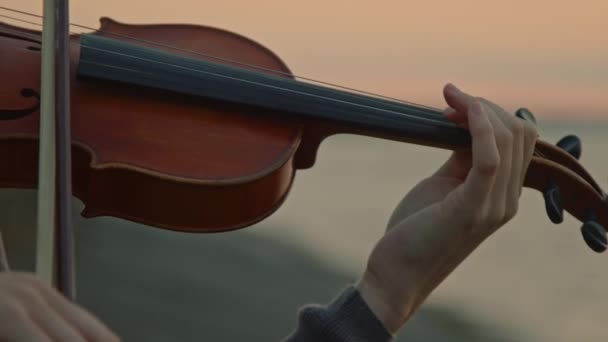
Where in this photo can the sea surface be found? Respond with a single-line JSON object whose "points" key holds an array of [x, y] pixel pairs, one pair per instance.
{"points": [[531, 281]]}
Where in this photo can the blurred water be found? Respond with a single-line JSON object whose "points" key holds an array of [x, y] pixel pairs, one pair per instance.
{"points": [[531, 279], [155, 285]]}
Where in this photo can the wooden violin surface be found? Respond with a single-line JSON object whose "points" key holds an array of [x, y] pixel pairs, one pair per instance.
{"points": [[150, 156]]}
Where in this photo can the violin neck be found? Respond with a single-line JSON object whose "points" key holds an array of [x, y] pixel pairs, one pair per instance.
{"points": [[114, 60]]}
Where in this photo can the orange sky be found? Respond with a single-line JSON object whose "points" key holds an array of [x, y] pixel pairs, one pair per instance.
{"points": [[548, 55]]}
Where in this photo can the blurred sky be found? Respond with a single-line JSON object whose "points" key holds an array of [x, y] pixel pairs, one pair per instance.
{"points": [[550, 56]]}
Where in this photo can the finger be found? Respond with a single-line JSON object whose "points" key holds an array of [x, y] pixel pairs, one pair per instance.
{"points": [[458, 100], [45, 317], [89, 326], [485, 155], [16, 325], [501, 191], [486, 158], [515, 184], [457, 166], [456, 117], [524, 134], [531, 135], [23, 331], [516, 126], [86, 324]]}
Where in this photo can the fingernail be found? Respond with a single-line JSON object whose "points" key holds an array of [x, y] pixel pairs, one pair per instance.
{"points": [[453, 88]]}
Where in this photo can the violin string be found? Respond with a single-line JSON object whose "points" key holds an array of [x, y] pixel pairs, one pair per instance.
{"points": [[365, 116], [433, 111], [19, 19], [436, 119], [416, 118]]}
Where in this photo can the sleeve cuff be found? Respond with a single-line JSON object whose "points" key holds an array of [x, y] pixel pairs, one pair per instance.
{"points": [[346, 318]]}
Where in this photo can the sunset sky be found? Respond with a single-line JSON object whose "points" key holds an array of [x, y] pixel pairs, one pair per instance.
{"points": [[549, 56]]}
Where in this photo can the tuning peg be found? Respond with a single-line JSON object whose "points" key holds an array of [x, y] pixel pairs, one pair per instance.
{"points": [[594, 234], [525, 114], [571, 144], [553, 203]]}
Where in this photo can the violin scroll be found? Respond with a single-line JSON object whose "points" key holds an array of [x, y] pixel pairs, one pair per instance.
{"points": [[566, 185]]}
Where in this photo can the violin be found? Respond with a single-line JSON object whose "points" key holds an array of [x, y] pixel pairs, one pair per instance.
{"points": [[197, 129]]}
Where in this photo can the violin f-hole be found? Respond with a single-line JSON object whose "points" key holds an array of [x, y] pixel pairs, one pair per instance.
{"points": [[12, 114]]}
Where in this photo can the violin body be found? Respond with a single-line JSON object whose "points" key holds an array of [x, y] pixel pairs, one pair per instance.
{"points": [[187, 163], [150, 156]]}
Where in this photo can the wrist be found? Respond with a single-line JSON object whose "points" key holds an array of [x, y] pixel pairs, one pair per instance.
{"points": [[390, 309]]}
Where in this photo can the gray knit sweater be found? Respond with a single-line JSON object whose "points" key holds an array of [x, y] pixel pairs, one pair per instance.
{"points": [[346, 318]]}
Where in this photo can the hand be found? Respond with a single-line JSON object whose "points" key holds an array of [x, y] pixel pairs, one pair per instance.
{"points": [[446, 216], [32, 311]]}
